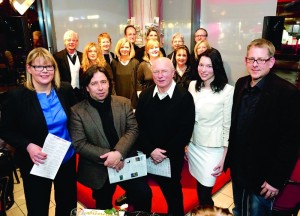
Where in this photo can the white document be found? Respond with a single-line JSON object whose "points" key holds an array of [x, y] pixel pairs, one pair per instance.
{"points": [[163, 168], [134, 167], [56, 149]]}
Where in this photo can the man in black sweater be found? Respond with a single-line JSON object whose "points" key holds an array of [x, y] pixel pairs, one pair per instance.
{"points": [[166, 116]]}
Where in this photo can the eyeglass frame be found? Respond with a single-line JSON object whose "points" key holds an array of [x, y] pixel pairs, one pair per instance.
{"points": [[200, 35], [42, 67], [258, 61]]}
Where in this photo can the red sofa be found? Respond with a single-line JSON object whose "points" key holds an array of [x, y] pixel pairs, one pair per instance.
{"points": [[190, 199]]}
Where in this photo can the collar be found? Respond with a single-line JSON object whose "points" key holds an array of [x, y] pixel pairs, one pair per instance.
{"points": [[71, 55], [259, 85], [169, 92]]}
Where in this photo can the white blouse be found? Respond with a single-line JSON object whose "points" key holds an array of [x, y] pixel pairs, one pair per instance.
{"points": [[213, 116]]}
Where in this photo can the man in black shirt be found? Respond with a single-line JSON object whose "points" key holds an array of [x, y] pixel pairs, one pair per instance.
{"points": [[262, 143]]}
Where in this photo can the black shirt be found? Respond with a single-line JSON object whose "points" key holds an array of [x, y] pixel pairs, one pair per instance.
{"points": [[246, 114]]}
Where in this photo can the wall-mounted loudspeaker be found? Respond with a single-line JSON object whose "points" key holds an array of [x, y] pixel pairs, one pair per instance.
{"points": [[272, 29]]}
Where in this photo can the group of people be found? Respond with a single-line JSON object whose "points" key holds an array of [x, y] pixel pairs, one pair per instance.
{"points": [[184, 108]]}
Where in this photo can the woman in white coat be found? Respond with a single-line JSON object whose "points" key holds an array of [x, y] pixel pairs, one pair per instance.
{"points": [[213, 101]]}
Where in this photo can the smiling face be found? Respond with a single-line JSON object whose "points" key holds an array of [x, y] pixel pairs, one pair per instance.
{"points": [[153, 51], [125, 49], [258, 71], [201, 48], [41, 77], [152, 35], [177, 41], [163, 72], [200, 35], [105, 44], [181, 57], [71, 43], [92, 54], [206, 71], [98, 88], [131, 34]]}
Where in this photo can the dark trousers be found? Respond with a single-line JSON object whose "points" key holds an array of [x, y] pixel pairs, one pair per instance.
{"points": [[37, 190], [172, 190], [204, 195], [248, 203], [138, 193]]}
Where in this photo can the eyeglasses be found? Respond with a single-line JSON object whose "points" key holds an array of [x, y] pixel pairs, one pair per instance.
{"points": [[258, 61], [178, 42], [40, 68], [72, 40], [200, 35]]}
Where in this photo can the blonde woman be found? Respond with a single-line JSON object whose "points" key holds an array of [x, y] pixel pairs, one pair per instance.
{"points": [[92, 55], [200, 47], [31, 112], [125, 70], [144, 72], [151, 34]]}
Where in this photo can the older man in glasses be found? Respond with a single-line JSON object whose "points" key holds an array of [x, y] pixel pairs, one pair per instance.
{"points": [[262, 142]]}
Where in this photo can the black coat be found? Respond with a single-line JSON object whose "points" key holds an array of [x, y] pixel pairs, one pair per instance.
{"points": [[23, 121], [273, 144], [61, 59]]}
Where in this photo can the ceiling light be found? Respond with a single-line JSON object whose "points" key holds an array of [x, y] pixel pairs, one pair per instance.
{"points": [[21, 5]]}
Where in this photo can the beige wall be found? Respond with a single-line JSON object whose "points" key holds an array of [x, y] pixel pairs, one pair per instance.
{"points": [[231, 24]]}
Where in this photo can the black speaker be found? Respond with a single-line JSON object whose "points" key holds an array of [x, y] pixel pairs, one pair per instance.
{"points": [[272, 29]]}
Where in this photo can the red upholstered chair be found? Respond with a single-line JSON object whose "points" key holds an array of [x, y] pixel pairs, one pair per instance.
{"points": [[159, 205], [288, 200]]}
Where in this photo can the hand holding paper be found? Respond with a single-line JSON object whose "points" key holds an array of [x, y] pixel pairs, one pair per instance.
{"points": [[56, 149]]}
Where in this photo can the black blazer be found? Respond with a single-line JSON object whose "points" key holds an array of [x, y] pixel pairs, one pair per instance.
{"points": [[61, 59], [23, 121], [273, 144]]}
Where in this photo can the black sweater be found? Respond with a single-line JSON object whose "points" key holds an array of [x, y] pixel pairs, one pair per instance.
{"points": [[167, 124]]}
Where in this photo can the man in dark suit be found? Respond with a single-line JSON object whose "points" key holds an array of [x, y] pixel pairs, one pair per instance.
{"points": [[166, 116], [262, 143], [103, 130], [69, 60]]}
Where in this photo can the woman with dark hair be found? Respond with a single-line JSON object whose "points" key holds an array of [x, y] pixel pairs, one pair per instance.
{"points": [[208, 146], [182, 64]]}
